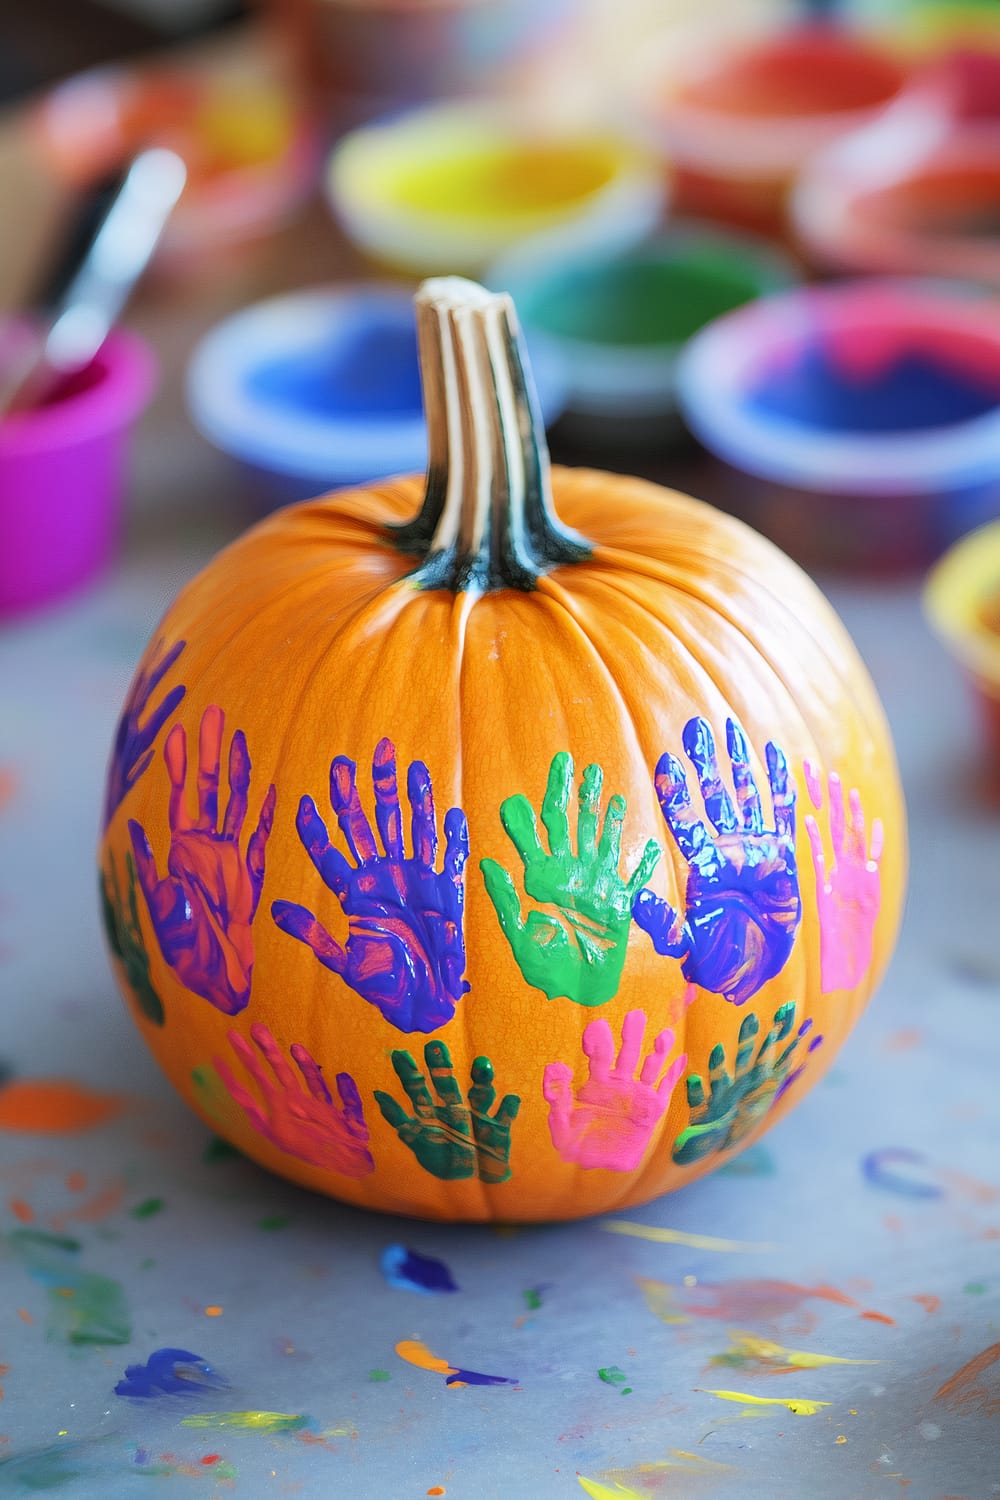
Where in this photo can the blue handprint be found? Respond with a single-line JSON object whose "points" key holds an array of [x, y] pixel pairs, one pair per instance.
{"points": [[133, 747], [743, 906], [405, 951]]}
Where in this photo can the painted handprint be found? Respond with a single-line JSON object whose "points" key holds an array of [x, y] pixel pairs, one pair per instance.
{"points": [[302, 1120], [742, 901], [133, 747], [123, 931], [609, 1120], [735, 1102], [578, 951], [848, 892], [405, 951], [452, 1139], [203, 911]]}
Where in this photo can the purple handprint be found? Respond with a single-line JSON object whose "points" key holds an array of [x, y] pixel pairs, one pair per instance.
{"points": [[405, 951], [742, 900], [849, 893], [203, 911], [133, 747]]}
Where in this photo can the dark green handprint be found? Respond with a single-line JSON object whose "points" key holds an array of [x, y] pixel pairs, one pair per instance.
{"points": [[580, 952], [124, 934], [735, 1103], [452, 1140]]}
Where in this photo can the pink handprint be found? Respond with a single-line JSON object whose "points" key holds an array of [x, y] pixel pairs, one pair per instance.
{"points": [[849, 893], [203, 912], [609, 1121], [305, 1124]]}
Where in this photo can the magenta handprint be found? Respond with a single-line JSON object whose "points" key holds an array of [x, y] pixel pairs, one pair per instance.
{"points": [[304, 1121], [742, 901], [609, 1120], [405, 950], [849, 892], [133, 747], [203, 911]]}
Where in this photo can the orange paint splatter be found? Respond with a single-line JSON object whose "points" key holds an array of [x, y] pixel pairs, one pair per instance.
{"points": [[76, 1182], [54, 1106], [415, 1352], [436, 1489], [25, 1315], [22, 1211], [100, 1206], [5, 1370], [971, 1187], [213, 1311], [963, 1391], [8, 784], [929, 1301], [877, 1317]]}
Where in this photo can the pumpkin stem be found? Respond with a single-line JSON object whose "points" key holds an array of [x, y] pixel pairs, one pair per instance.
{"points": [[487, 521]]}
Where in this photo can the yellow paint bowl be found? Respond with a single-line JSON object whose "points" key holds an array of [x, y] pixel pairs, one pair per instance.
{"points": [[449, 188], [962, 602]]}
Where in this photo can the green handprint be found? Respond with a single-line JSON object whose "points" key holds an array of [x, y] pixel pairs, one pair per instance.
{"points": [[124, 934], [580, 952], [452, 1140], [736, 1103]]}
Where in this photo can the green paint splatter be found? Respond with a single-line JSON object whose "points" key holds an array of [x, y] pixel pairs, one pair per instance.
{"points": [[274, 1221], [532, 1298], [147, 1208], [379, 1375], [46, 1469], [147, 1264], [975, 1288], [612, 1375], [218, 1150], [266, 1422], [84, 1307]]}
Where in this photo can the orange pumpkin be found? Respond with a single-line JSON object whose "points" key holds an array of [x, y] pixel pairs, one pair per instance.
{"points": [[506, 846]]}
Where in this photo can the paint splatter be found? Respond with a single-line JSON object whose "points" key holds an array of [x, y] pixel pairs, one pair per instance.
{"points": [[878, 1169], [928, 1301], [267, 1423], [412, 1272], [55, 1106], [379, 1376], [975, 1288], [213, 1311], [598, 1491], [964, 1392], [416, 1352], [649, 1476], [612, 1375], [755, 1161], [763, 1357], [167, 1464], [799, 1406], [148, 1208], [679, 1237], [169, 1372], [734, 1301], [273, 1222], [659, 1298], [533, 1297], [218, 1150], [83, 1306]]}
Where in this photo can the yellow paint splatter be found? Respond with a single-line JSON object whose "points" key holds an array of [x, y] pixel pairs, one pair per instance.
{"points": [[268, 1422], [745, 1348], [601, 1491], [678, 1462], [659, 1298], [679, 1237], [799, 1406], [842, 1439]]}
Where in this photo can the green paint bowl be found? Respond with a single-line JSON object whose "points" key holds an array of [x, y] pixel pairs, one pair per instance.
{"points": [[619, 320]]}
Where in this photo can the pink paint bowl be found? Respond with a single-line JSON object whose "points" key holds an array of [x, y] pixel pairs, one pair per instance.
{"points": [[737, 124], [962, 602], [859, 423], [62, 472]]}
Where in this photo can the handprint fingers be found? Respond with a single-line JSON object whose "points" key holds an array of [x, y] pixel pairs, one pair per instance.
{"points": [[257, 846], [591, 787], [439, 1066], [314, 837], [555, 804], [350, 1098], [671, 1077], [816, 845], [658, 918], [689, 832], [501, 891], [239, 787], [300, 923], [782, 792], [312, 1073], [747, 795], [653, 1065], [209, 754], [388, 816], [423, 821], [145, 861], [609, 849], [346, 803], [273, 1055], [647, 864], [251, 1062], [633, 1032], [699, 745], [878, 841], [392, 1111], [507, 1110], [151, 680], [749, 1029], [599, 1046], [239, 1095], [482, 1094], [518, 818], [456, 844], [837, 829], [175, 756], [414, 1083], [557, 1090]]}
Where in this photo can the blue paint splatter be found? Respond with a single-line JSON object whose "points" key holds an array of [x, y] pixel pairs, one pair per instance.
{"points": [[169, 1372], [411, 1272], [877, 1167], [472, 1377]]}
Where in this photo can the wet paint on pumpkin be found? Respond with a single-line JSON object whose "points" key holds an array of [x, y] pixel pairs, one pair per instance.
{"points": [[203, 910], [735, 1103], [848, 890], [169, 1372], [453, 1139], [405, 952], [297, 1114], [742, 899], [609, 1121], [123, 930], [416, 1352], [84, 1306], [133, 744], [577, 948]]}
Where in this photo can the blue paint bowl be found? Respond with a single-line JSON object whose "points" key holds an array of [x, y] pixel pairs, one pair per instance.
{"points": [[321, 389], [859, 423]]}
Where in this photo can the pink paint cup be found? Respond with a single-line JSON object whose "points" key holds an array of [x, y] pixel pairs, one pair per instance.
{"points": [[62, 474]]}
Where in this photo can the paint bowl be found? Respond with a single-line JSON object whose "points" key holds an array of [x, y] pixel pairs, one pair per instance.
{"points": [[321, 388], [450, 188], [860, 422], [738, 122], [62, 473], [619, 320], [962, 602]]}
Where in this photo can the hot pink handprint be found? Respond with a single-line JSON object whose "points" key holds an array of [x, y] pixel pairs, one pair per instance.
{"points": [[849, 892], [203, 911], [305, 1122], [609, 1120]]}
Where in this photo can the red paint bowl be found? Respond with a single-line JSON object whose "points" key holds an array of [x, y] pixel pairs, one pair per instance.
{"points": [[62, 471]]}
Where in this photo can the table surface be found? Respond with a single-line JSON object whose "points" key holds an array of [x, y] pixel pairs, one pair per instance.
{"points": [[865, 1226]]}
